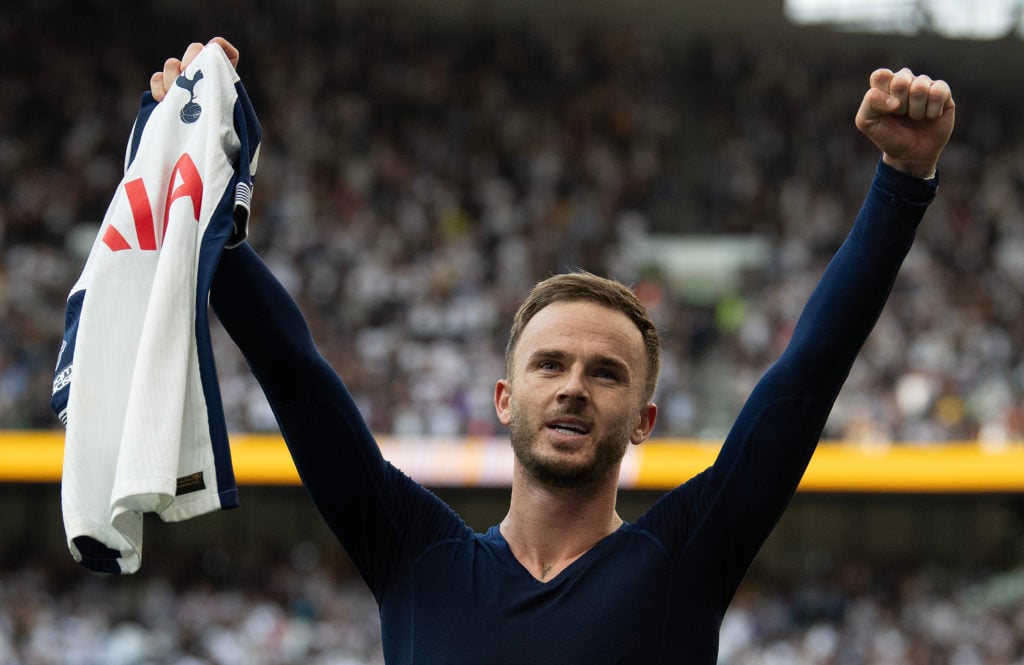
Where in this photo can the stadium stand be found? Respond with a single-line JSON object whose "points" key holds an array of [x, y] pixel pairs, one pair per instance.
{"points": [[470, 156], [417, 176]]}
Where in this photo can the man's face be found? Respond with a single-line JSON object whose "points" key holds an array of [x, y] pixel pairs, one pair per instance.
{"points": [[575, 398]]}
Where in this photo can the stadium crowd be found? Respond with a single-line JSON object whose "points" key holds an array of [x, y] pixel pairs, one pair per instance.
{"points": [[417, 178], [303, 609]]}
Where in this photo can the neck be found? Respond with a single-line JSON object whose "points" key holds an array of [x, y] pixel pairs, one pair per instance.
{"points": [[548, 528]]}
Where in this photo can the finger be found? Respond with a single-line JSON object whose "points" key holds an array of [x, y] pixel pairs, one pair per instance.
{"points": [[172, 68], [160, 82], [879, 99], [229, 50], [876, 103], [156, 86], [899, 87], [190, 54], [917, 97], [940, 98], [880, 79]]}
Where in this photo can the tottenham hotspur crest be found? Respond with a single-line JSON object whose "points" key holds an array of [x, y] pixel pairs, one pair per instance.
{"points": [[190, 111]]}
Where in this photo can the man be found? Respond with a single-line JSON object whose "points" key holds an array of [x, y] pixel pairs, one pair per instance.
{"points": [[563, 579]]}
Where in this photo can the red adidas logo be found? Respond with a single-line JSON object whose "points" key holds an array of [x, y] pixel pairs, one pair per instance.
{"points": [[189, 185]]}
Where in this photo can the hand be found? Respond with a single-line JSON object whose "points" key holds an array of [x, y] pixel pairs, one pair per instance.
{"points": [[909, 117], [160, 82]]}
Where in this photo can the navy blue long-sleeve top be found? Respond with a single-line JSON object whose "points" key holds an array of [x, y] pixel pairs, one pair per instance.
{"points": [[654, 591]]}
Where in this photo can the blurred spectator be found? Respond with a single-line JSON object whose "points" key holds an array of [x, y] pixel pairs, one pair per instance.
{"points": [[418, 177], [302, 608]]}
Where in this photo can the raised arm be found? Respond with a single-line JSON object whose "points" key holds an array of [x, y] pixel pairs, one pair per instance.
{"points": [[731, 507], [382, 517], [909, 118]]}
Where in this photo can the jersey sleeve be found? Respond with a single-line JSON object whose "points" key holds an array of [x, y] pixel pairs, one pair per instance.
{"points": [[726, 512], [382, 517]]}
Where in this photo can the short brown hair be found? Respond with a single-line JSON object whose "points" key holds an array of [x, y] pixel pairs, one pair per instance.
{"points": [[582, 285]]}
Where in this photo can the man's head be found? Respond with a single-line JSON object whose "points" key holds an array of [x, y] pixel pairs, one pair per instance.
{"points": [[584, 286], [582, 364]]}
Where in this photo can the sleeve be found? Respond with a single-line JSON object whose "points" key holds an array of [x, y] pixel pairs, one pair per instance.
{"points": [[381, 517], [727, 511]]}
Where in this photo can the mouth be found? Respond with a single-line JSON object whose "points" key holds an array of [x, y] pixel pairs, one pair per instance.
{"points": [[569, 426]]}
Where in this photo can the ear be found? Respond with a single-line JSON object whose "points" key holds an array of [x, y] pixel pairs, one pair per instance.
{"points": [[645, 425], [502, 401]]}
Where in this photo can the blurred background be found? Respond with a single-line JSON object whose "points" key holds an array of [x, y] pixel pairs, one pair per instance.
{"points": [[423, 165]]}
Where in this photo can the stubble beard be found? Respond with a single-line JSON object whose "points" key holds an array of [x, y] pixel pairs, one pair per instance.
{"points": [[562, 473]]}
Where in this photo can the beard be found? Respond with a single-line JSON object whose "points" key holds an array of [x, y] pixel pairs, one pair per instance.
{"points": [[605, 458]]}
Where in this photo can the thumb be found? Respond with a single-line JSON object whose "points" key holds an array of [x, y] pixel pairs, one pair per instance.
{"points": [[874, 106]]}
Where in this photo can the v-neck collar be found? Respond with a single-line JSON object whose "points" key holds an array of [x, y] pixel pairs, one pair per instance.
{"points": [[515, 566]]}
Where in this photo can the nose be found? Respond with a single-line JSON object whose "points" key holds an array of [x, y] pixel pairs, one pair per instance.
{"points": [[573, 388]]}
